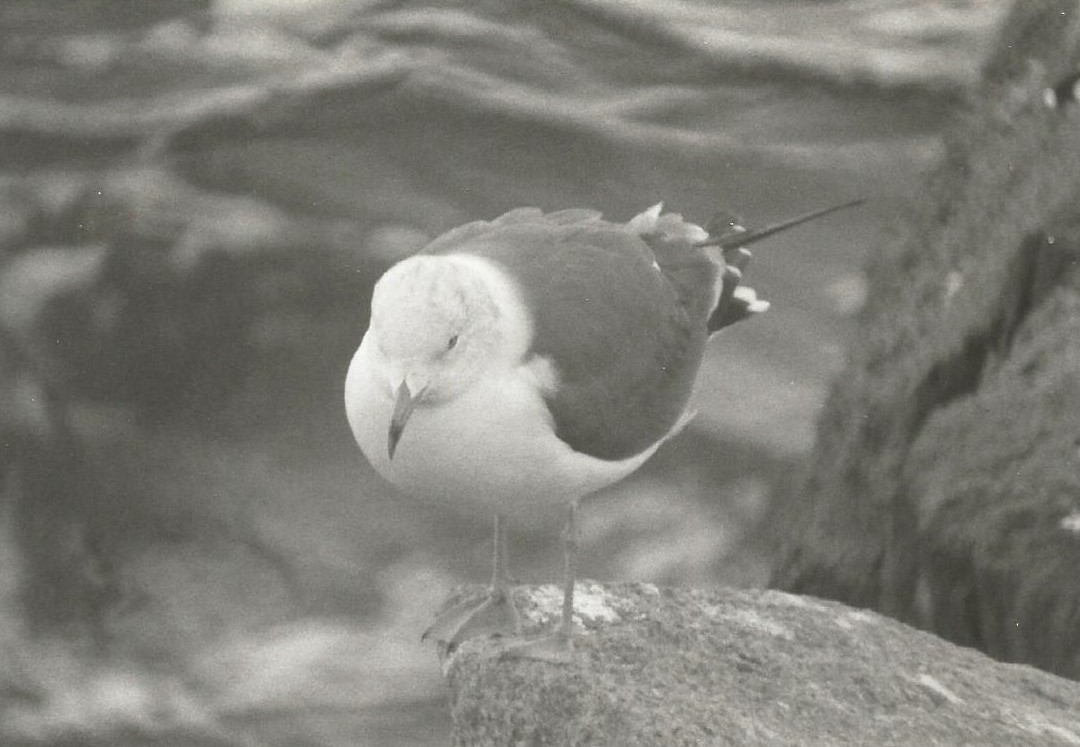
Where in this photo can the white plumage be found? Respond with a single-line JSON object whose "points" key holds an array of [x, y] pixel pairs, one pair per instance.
{"points": [[486, 437]]}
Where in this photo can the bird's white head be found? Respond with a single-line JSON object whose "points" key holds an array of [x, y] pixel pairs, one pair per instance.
{"points": [[439, 323]]}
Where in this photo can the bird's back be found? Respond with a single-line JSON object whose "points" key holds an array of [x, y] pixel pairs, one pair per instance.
{"points": [[621, 310]]}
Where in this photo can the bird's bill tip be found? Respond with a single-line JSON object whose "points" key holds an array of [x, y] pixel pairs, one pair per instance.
{"points": [[404, 404]]}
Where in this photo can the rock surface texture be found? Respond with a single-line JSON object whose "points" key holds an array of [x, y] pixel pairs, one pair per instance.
{"points": [[677, 667], [945, 487]]}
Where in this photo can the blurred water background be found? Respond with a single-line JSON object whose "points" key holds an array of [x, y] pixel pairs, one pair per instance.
{"points": [[195, 199]]}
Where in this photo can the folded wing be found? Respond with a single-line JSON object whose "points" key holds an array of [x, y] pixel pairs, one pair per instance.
{"points": [[621, 310]]}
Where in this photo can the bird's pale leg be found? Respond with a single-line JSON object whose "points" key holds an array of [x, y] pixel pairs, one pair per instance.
{"points": [[557, 647], [570, 551], [500, 573], [491, 611]]}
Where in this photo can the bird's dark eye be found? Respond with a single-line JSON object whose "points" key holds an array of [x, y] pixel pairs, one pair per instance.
{"points": [[451, 342]]}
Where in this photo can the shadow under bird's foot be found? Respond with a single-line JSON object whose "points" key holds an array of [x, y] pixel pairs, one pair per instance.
{"points": [[554, 648], [484, 613]]}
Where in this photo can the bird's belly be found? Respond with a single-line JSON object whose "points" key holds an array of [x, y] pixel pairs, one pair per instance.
{"points": [[492, 447]]}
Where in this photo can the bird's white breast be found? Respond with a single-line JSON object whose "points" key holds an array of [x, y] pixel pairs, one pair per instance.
{"points": [[491, 446]]}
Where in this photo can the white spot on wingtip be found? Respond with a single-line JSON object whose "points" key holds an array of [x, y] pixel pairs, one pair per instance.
{"points": [[754, 304]]}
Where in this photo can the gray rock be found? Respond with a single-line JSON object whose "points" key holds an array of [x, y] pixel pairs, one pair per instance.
{"points": [[682, 667]]}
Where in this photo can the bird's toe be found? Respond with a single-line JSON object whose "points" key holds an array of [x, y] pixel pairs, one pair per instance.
{"points": [[486, 613]]}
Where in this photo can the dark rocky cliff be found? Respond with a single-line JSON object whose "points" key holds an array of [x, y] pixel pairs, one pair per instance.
{"points": [[945, 487]]}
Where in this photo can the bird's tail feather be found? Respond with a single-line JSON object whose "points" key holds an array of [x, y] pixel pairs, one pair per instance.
{"points": [[729, 302], [725, 242]]}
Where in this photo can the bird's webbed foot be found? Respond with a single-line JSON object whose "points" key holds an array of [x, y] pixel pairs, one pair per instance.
{"points": [[484, 613]]}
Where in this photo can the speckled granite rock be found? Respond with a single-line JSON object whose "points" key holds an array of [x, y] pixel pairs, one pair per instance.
{"points": [[683, 667], [945, 487]]}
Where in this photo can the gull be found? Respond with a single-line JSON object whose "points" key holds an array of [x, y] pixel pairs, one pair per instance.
{"points": [[520, 364]]}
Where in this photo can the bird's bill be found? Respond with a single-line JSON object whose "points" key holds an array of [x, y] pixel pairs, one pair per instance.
{"points": [[403, 409]]}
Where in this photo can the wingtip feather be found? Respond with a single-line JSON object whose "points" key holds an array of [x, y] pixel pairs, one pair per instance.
{"points": [[669, 226], [748, 296], [646, 221]]}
